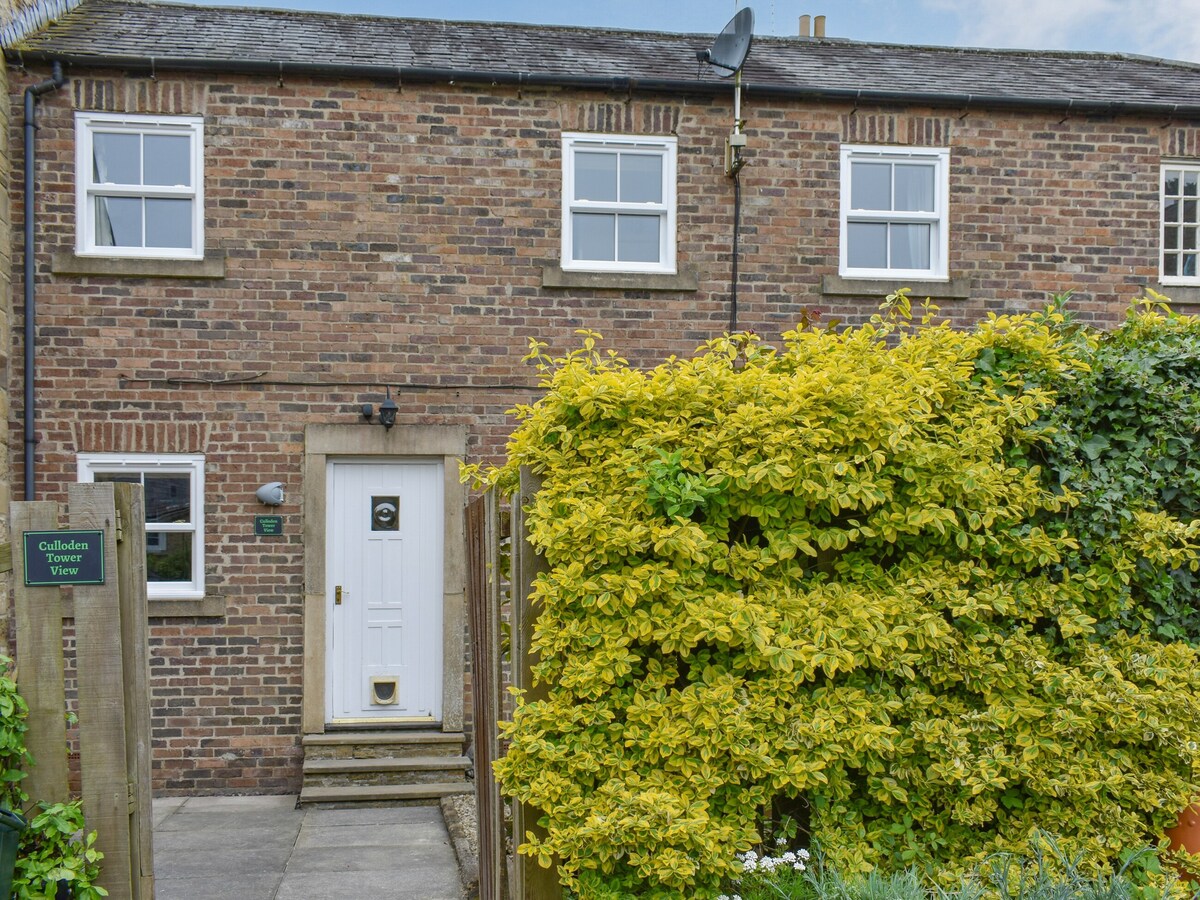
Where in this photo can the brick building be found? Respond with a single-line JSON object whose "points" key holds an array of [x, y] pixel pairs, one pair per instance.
{"points": [[251, 224]]}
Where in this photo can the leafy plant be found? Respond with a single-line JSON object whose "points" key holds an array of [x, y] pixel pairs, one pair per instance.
{"points": [[1126, 439], [55, 849], [882, 615]]}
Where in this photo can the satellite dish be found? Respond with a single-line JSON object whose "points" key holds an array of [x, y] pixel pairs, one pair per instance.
{"points": [[732, 46]]}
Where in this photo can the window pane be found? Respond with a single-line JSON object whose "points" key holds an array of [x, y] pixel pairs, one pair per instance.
{"points": [[595, 176], [168, 556], [116, 158], [1171, 238], [867, 247], [1189, 239], [168, 223], [870, 185], [910, 246], [1189, 211], [593, 236], [1189, 265], [1189, 183], [1171, 264], [1171, 183], [1171, 211], [914, 188], [168, 159], [641, 178], [168, 498], [638, 238], [119, 222]]}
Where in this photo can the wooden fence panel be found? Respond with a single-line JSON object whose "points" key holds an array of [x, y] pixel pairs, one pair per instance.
{"points": [[38, 612], [529, 880], [112, 646], [483, 593], [135, 658]]}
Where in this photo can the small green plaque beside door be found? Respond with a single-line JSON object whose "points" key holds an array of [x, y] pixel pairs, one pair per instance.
{"points": [[268, 525]]}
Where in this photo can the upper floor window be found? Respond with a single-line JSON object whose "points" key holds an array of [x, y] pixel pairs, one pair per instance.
{"points": [[139, 185], [894, 212], [1180, 222], [618, 203], [173, 488]]}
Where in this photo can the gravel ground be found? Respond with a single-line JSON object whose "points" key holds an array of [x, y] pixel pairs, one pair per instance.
{"points": [[461, 818]]}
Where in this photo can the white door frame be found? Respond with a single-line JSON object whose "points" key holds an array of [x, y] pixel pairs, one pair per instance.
{"points": [[323, 442]]}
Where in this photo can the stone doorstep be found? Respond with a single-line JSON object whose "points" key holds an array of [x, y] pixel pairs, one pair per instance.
{"points": [[425, 794], [382, 744], [386, 764]]}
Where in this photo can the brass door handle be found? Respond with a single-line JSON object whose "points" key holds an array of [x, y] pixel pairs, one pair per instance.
{"points": [[337, 596]]}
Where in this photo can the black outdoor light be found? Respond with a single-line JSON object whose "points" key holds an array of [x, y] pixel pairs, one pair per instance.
{"points": [[387, 411]]}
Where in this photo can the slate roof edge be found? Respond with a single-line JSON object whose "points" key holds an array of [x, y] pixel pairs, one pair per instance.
{"points": [[621, 84], [701, 37]]}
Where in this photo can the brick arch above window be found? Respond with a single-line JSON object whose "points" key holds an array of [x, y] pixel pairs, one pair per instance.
{"points": [[141, 437]]}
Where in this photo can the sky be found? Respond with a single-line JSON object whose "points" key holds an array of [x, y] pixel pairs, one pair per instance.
{"points": [[1165, 28]]}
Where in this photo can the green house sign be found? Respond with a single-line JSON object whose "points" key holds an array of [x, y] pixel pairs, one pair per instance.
{"points": [[63, 557], [268, 525]]}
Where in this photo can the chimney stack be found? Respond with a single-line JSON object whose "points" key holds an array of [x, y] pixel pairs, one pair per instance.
{"points": [[819, 26], [804, 20]]}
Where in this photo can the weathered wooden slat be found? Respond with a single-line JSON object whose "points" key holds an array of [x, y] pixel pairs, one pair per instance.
{"points": [[102, 719], [530, 881], [483, 593], [38, 613], [135, 644]]}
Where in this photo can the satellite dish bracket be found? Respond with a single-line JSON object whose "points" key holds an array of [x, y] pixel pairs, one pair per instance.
{"points": [[729, 52]]}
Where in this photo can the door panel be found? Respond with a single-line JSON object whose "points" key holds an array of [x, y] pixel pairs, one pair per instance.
{"points": [[384, 537]]}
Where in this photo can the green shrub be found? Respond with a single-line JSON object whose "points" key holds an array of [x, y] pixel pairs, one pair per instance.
{"points": [[56, 846], [829, 573], [1127, 440]]}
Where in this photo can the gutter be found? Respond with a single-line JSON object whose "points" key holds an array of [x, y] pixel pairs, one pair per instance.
{"points": [[614, 83], [32, 93]]}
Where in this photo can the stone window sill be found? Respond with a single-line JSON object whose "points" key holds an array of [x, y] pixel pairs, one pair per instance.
{"points": [[683, 280], [210, 607], [951, 289], [212, 266], [1179, 293]]}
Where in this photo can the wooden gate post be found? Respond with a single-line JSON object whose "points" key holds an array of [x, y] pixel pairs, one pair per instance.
{"points": [[38, 612], [483, 593], [530, 881], [112, 639], [135, 643]]}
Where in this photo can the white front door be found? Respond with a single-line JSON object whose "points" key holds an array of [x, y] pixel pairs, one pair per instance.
{"points": [[384, 591]]}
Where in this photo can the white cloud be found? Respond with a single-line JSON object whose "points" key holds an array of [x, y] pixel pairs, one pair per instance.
{"points": [[1166, 28]]}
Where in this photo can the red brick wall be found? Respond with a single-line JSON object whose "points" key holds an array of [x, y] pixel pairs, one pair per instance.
{"points": [[383, 233]]}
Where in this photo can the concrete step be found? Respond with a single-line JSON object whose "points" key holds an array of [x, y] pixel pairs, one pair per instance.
{"points": [[384, 771], [390, 764], [392, 794]]}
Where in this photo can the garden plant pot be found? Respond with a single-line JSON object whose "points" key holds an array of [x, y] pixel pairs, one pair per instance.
{"points": [[1186, 835], [11, 826]]}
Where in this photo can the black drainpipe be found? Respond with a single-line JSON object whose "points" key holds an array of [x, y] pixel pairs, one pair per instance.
{"points": [[53, 83]]}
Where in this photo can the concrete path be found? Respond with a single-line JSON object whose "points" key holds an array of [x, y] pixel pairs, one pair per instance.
{"points": [[263, 848]]}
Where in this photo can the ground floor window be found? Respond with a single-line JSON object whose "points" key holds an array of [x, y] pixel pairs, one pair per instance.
{"points": [[174, 490]]}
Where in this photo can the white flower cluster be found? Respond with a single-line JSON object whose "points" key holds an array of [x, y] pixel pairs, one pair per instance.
{"points": [[752, 862]]}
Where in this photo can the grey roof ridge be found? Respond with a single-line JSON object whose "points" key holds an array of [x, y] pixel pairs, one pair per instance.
{"points": [[806, 89], [701, 36]]}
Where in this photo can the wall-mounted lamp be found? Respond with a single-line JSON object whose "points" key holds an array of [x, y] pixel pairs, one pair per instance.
{"points": [[387, 411], [271, 494]]}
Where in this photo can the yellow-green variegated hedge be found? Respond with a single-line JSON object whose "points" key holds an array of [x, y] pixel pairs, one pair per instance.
{"points": [[814, 572]]}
